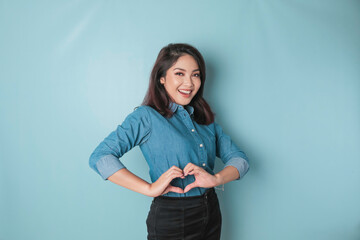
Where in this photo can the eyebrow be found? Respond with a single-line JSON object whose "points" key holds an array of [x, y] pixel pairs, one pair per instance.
{"points": [[185, 70]]}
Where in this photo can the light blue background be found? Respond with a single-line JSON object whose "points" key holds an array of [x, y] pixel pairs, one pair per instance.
{"points": [[283, 78]]}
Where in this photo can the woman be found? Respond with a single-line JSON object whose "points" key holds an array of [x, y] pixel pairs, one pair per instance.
{"points": [[179, 139]]}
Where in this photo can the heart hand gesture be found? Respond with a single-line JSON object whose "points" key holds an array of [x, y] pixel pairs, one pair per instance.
{"points": [[163, 186], [202, 177]]}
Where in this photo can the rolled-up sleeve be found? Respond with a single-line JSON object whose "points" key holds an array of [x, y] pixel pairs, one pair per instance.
{"points": [[135, 130], [229, 152]]}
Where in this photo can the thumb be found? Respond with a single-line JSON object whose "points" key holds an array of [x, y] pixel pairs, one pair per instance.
{"points": [[175, 189], [190, 186]]}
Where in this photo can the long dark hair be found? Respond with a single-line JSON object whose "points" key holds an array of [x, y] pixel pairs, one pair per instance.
{"points": [[157, 97]]}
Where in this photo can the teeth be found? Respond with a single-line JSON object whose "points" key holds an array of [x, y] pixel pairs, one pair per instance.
{"points": [[187, 92]]}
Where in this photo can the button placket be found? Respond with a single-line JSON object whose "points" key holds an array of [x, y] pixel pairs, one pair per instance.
{"points": [[189, 123]]}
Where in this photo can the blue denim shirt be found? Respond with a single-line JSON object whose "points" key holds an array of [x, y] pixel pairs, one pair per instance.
{"points": [[165, 142]]}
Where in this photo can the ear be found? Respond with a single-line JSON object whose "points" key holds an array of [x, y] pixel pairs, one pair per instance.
{"points": [[162, 80]]}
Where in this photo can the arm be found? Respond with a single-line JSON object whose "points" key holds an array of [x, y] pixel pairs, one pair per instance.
{"points": [[236, 164], [231, 155], [207, 180], [228, 174], [135, 130], [127, 179]]}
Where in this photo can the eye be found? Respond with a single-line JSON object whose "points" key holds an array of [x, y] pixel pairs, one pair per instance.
{"points": [[197, 74], [179, 74]]}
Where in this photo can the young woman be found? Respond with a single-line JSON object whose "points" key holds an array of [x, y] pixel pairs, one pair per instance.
{"points": [[180, 140]]}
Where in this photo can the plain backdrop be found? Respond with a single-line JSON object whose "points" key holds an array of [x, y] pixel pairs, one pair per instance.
{"points": [[283, 80]]}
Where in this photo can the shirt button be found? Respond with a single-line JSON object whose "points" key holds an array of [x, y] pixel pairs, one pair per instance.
{"points": [[201, 144], [204, 164], [193, 130]]}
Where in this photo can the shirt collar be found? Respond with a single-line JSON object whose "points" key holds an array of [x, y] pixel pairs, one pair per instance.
{"points": [[174, 106]]}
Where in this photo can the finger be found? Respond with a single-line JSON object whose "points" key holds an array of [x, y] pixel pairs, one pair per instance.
{"points": [[175, 172], [165, 179], [196, 171], [175, 189], [190, 186], [193, 170], [174, 169], [180, 175], [188, 168], [172, 176]]}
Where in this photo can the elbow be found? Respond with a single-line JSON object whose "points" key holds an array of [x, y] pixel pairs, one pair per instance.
{"points": [[92, 162], [246, 167]]}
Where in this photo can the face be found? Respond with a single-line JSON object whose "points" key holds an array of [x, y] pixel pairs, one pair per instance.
{"points": [[182, 80]]}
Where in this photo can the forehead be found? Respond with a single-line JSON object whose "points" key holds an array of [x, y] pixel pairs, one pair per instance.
{"points": [[186, 61]]}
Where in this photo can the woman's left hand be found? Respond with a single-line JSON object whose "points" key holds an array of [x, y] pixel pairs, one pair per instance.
{"points": [[202, 177]]}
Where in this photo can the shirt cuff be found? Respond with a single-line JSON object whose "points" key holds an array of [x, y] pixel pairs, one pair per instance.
{"points": [[108, 165], [240, 164]]}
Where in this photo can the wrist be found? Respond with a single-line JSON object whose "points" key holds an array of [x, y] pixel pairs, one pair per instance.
{"points": [[219, 179], [149, 191]]}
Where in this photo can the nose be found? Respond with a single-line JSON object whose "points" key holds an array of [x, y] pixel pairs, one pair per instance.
{"points": [[188, 81]]}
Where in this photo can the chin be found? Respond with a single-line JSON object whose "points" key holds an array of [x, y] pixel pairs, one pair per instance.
{"points": [[184, 102]]}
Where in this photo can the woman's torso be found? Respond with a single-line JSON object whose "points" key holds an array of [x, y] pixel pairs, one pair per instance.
{"points": [[178, 140]]}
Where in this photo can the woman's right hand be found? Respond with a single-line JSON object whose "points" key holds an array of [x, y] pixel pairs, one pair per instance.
{"points": [[162, 185]]}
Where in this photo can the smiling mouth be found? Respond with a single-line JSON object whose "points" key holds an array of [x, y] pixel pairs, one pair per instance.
{"points": [[185, 93]]}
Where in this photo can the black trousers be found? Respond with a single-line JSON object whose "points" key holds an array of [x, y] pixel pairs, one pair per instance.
{"points": [[185, 218]]}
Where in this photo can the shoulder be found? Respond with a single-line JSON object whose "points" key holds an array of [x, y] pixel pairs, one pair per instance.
{"points": [[146, 110], [138, 113], [143, 110], [216, 128], [212, 127]]}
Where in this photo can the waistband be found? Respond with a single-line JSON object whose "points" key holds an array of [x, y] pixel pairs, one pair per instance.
{"points": [[210, 193]]}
